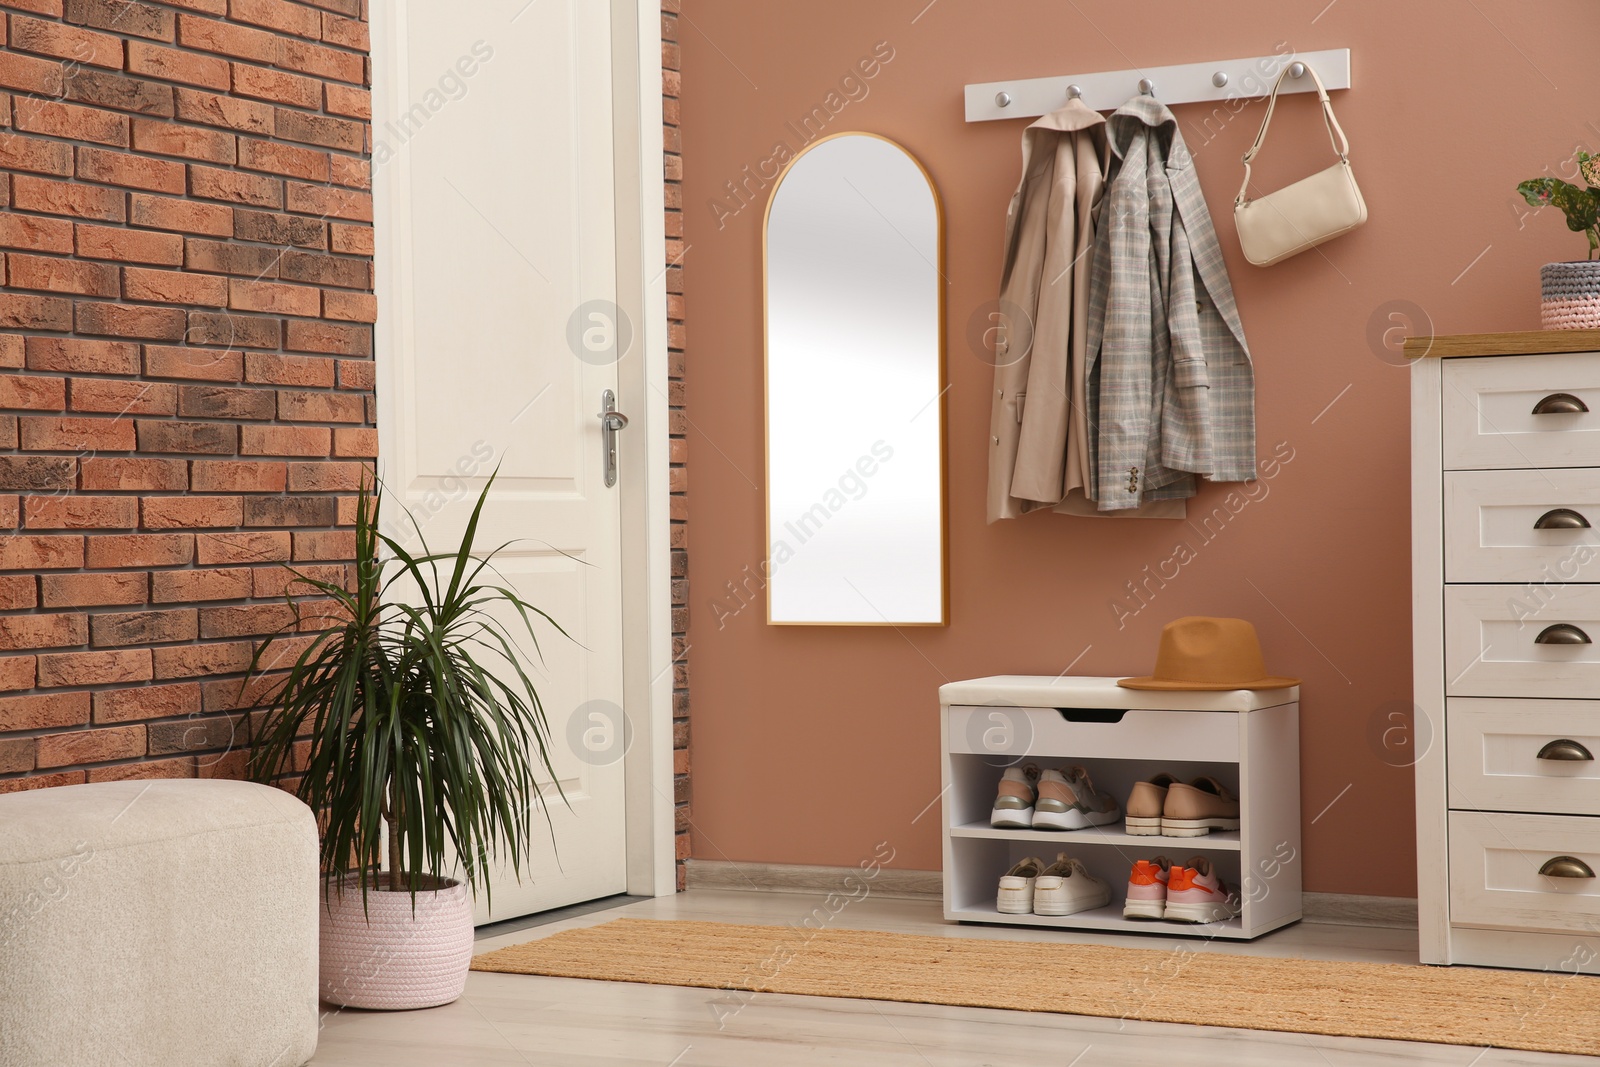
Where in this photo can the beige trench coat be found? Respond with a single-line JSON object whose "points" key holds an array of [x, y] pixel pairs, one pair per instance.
{"points": [[1038, 437]]}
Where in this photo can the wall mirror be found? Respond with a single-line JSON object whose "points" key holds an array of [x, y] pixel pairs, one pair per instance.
{"points": [[855, 389]]}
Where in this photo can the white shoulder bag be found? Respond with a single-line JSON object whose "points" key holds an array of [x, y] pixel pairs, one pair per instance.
{"points": [[1307, 213]]}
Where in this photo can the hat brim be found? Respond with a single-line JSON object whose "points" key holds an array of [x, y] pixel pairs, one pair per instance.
{"points": [[1208, 687]]}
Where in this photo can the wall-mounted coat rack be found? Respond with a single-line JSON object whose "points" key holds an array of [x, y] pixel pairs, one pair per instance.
{"points": [[1186, 83]]}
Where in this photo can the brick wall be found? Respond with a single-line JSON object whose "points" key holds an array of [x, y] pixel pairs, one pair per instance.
{"points": [[671, 82], [185, 362]]}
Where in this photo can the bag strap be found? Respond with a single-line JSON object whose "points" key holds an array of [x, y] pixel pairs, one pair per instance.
{"points": [[1336, 135]]}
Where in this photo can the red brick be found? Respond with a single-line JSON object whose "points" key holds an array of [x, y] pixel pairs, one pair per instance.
{"points": [[351, 240], [130, 246], [322, 62], [347, 100], [349, 442], [118, 629], [208, 7], [205, 364], [134, 172], [62, 275], [92, 590], [141, 550], [132, 320], [224, 402], [277, 15], [8, 431], [284, 441], [174, 287], [35, 312], [238, 331], [357, 374], [118, 91], [123, 398], [36, 154], [222, 583], [128, 473], [10, 508], [278, 86], [320, 407], [300, 510], [52, 197], [192, 512], [91, 746], [349, 306], [37, 234], [177, 767], [94, 668], [213, 184], [242, 547], [67, 434], [329, 203], [246, 620], [274, 298], [17, 672], [186, 216], [277, 581], [89, 357], [228, 695], [210, 109], [192, 661], [37, 474], [351, 171], [324, 544], [80, 512], [225, 257], [19, 591], [43, 712], [122, 16], [328, 337], [237, 476], [147, 702], [41, 553], [30, 75], [170, 64], [283, 159], [271, 227], [226, 38], [346, 33], [40, 781], [207, 438], [328, 477], [269, 369], [190, 142], [16, 755], [322, 269], [33, 391], [324, 130], [65, 42]]}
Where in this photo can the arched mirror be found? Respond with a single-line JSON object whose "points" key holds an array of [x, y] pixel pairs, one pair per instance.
{"points": [[855, 389]]}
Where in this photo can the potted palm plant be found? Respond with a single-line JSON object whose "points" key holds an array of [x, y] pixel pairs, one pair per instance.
{"points": [[419, 739], [1571, 291]]}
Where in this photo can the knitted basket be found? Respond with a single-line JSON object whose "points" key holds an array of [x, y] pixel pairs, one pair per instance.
{"points": [[386, 956], [1571, 295]]}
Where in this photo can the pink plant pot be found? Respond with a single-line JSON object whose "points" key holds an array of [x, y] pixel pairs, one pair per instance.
{"points": [[388, 957], [1570, 295]]}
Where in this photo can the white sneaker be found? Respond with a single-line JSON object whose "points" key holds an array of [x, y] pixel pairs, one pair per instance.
{"points": [[1066, 888], [1016, 887], [1013, 804], [1069, 801]]}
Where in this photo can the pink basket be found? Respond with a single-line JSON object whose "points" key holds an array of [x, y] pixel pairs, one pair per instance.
{"points": [[1571, 295]]}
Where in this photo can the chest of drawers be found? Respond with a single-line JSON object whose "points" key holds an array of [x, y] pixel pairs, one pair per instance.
{"points": [[1506, 648]]}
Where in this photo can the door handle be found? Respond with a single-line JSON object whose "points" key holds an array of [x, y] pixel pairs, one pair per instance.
{"points": [[612, 422], [1562, 633], [1566, 867], [1561, 519], [1559, 404], [1565, 749]]}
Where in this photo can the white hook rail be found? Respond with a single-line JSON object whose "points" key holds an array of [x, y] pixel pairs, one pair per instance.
{"points": [[1187, 83]]}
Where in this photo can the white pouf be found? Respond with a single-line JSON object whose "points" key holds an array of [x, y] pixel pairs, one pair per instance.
{"points": [[157, 924]]}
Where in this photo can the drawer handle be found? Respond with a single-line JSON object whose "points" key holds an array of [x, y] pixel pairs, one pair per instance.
{"points": [[1565, 749], [1560, 404], [1561, 519], [1566, 867], [1562, 633]]}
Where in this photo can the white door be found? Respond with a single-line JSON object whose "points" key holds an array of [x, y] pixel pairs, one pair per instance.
{"points": [[492, 148]]}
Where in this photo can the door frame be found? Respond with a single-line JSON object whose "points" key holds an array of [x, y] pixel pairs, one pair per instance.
{"points": [[638, 148]]}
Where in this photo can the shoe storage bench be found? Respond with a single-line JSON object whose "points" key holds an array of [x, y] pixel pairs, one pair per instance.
{"points": [[1248, 740]]}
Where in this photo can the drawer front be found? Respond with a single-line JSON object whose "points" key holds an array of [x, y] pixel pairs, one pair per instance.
{"points": [[1522, 526], [1498, 640], [1495, 865], [1009, 732], [1489, 420], [1524, 755]]}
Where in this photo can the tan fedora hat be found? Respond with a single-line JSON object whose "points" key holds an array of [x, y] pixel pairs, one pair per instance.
{"points": [[1198, 652]]}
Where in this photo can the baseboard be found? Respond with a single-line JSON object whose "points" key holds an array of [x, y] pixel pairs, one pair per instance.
{"points": [[1338, 909]]}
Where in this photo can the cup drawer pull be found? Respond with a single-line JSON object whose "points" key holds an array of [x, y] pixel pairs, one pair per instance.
{"points": [[1566, 867], [1561, 519], [1565, 750], [1560, 404], [1562, 633]]}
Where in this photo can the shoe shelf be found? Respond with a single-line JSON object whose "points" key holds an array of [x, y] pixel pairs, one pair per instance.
{"points": [[1247, 740]]}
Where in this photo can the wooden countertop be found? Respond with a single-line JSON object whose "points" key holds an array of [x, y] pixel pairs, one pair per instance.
{"points": [[1524, 343]]}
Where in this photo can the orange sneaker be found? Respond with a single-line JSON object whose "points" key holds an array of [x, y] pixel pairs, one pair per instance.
{"points": [[1196, 894], [1147, 889]]}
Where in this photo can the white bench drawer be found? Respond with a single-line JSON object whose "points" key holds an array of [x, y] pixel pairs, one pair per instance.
{"points": [[1494, 752], [1522, 526], [1201, 736], [1495, 865], [1499, 641], [1489, 419]]}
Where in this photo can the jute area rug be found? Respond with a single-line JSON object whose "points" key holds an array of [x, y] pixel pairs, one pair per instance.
{"points": [[1540, 1011]]}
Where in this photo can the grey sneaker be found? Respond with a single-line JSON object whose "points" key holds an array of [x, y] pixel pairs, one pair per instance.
{"points": [[1068, 800], [1013, 807]]}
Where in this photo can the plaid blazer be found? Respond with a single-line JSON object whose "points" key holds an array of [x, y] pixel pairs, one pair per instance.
{"points": [[1171, 390]]}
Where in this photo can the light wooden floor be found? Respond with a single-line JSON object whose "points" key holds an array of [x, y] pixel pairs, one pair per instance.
{"points": [[520, 1019]]}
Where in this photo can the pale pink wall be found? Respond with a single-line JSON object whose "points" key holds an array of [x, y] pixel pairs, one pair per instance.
{"points": [[812, 745]]}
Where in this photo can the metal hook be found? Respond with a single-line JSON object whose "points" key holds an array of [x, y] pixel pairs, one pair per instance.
{"points": [[1002, 99], [1219, 79], [1297, 70], [1147, 87], [1074, 92]]}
